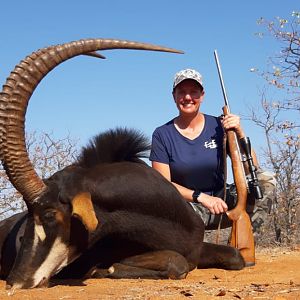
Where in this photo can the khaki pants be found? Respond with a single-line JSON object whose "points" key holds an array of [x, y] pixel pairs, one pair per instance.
{"points": [[257, 209]]}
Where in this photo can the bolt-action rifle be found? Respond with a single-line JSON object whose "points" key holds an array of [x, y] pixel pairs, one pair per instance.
{"points": [[246, 186]]}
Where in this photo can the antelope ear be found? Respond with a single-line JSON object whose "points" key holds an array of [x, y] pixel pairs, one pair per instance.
{"points": [[83, 209]]}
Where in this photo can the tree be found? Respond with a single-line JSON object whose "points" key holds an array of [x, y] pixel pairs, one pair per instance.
{"points": [[47, 155], [279, 120], [285, 65]]}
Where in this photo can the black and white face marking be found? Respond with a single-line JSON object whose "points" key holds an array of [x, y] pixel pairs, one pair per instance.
{"points": [[57, 256], [48, 245], [45, 248]]}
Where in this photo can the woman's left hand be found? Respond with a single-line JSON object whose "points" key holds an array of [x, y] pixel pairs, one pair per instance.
{"points": [[232, 121]]}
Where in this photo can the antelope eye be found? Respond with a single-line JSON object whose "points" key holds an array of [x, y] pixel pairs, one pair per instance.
{"points": [[49, 214]]}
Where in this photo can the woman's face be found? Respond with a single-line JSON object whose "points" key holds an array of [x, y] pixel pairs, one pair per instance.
{"points": [[188, 96]]}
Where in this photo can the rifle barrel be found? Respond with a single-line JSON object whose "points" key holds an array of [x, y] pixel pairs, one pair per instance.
{"points": [[221, 79]]}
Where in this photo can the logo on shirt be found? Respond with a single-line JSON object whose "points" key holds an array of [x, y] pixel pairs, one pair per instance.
{"points": [[211, 145]]}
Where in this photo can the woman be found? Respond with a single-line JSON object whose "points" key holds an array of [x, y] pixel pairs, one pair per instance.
{"points": [[188, 150]]}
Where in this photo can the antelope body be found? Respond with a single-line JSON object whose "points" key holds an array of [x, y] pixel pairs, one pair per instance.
{"points": [[107, 215]]}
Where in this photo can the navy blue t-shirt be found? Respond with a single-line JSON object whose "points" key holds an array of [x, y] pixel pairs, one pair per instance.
{"points": [[196, 164]]}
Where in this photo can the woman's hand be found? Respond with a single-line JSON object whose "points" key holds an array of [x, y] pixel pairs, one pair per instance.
{"points": [[232, 121], [214, 204]]}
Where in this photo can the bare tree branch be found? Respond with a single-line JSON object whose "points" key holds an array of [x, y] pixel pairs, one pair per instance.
{"points": [[48, 155]]}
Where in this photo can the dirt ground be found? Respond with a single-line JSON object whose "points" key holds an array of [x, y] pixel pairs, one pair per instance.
{"points": [[276, 275]]}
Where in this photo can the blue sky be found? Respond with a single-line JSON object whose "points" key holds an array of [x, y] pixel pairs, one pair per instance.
{"points": [[86, 95]]}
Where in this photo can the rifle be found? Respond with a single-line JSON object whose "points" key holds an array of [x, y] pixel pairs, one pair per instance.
{"points": [[241, 232]]}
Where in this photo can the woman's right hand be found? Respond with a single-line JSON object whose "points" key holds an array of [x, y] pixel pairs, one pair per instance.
{"points": [[214, 204]]}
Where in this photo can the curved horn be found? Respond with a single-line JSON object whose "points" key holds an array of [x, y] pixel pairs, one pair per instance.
{"points": [[14, 100]]}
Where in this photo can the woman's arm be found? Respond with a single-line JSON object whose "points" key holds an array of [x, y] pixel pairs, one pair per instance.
{"points": [[164, 169], [214, 204]]}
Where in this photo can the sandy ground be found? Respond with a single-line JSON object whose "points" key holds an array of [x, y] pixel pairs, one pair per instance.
{"points": [[276, 275]]}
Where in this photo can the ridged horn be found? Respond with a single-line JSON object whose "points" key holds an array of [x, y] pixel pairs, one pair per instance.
{"points": [[16, 93]]}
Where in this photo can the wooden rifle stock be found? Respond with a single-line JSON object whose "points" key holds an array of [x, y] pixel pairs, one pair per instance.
{"points": [[241, 232]]}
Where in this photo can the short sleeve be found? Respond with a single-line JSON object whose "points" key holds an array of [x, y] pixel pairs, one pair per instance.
{"points": [[159, 151]]}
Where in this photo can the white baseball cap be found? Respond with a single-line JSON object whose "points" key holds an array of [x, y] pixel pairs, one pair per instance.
{"points": [[187, 74]]}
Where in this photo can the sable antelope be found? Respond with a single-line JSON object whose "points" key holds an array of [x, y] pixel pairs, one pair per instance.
{"points": [[107, 215]]}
